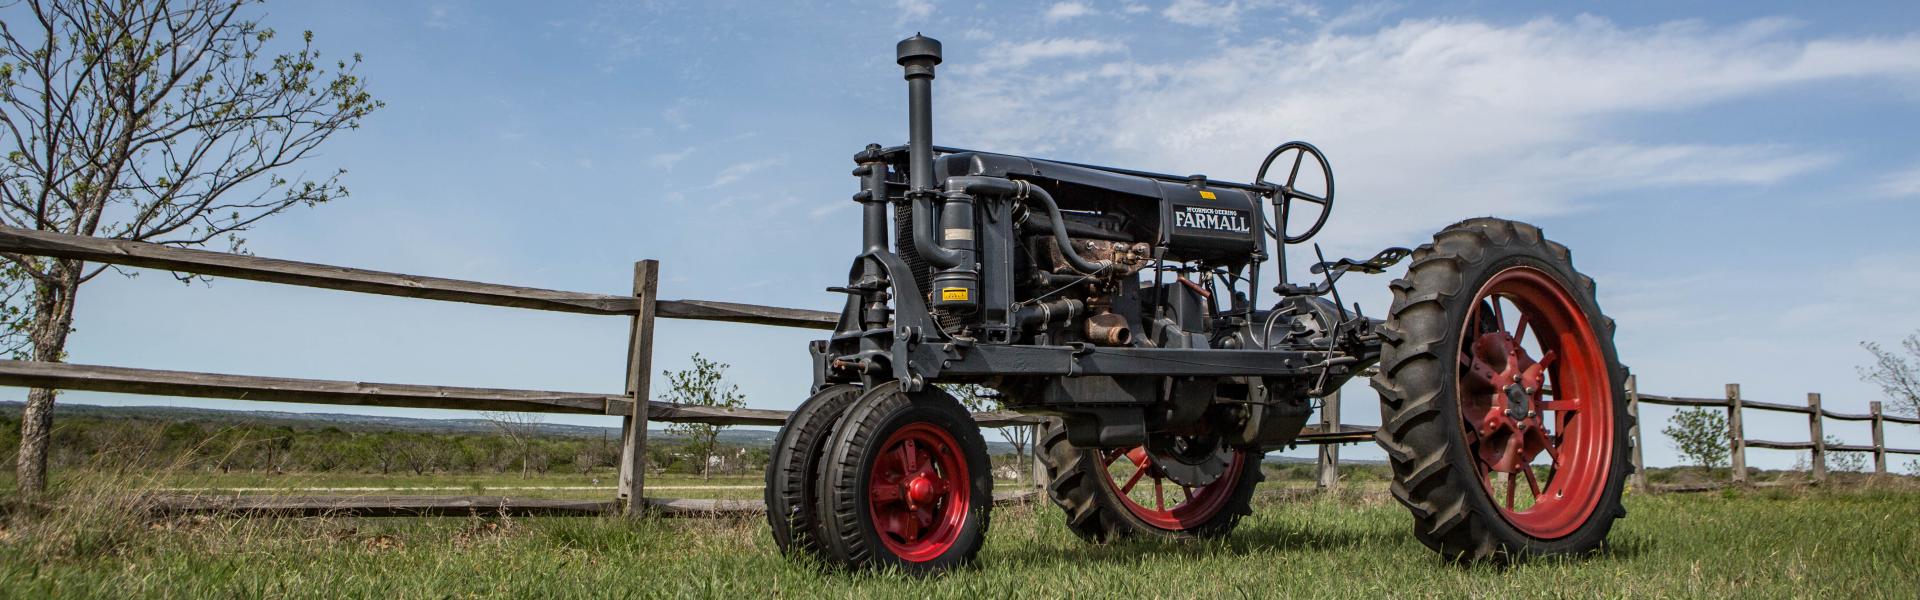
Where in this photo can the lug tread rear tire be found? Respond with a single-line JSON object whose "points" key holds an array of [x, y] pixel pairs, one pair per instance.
{"points": [[1418, 408], [1097, 515]]}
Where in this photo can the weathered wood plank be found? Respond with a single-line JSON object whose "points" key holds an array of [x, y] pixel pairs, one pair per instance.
{"points": [[190, 384], [282, 389], [1778, 445], [1840, 416], [1900, 419], [1342, 434], [240, 266], [633, 426], [1679, 401], [1774, 406], [383, 505], [708, 310], [373, 505]]}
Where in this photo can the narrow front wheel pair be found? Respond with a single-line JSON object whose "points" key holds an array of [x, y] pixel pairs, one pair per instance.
{"points": [[881, 478]]}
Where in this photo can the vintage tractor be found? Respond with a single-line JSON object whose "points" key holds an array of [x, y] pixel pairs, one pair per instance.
{"points": [[1125, 306]]}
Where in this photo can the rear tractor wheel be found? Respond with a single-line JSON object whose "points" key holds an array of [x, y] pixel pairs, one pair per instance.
{"points": [[904, 483], [1174, 487], [1501, 397]]}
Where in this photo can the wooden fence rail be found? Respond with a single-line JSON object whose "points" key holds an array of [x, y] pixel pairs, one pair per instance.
{"points": [[643, 307]]}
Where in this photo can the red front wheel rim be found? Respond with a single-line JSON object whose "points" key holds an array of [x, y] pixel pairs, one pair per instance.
{"points": [[1536, 403], [1162, 502], [918, 492]]}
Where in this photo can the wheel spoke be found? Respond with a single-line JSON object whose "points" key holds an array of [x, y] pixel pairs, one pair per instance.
{"points": [[1188, 490], [1480, 372], [1159, 495], [1532, 484], [1520, 330], [906, 458], [1128, 488], [1565, 405], [1510, 486], [909, 525], [1499, 317], [1295, 174], [884, 494]]}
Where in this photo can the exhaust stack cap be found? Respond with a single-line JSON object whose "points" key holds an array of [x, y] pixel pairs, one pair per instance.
{"points": [[918, 54]]}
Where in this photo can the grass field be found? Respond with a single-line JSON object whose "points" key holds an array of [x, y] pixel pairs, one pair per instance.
{"points": [[1844, 543]]}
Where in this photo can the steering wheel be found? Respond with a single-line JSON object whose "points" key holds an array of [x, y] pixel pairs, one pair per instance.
{"points": [[1285, 193]]}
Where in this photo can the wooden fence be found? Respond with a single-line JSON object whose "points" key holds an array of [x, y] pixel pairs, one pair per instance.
{"points": [[1738, 442], [642, 308]]}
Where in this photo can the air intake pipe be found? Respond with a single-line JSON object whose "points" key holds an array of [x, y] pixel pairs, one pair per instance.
{"points": [[956, 283]]}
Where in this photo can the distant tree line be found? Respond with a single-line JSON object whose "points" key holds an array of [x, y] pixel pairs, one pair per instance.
{"points": [[228, 446]]}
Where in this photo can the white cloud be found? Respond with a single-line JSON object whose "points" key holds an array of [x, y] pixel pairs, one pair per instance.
{"points": [[1061, 11], [1134, 9], [442, 16], [738, 171], [912, 11], [1012, 56], [1229, 14], [1427, 121], [667, 160], [1201, 13], [1903, 184]]}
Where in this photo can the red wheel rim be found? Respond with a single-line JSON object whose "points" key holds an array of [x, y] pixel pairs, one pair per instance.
{"points": [[1537, 413], [1162, 502], [917, 492]]}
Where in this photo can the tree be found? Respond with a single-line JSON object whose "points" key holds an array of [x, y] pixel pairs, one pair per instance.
{"points": [[703, 385], [1898, 376], [1850, 462], [1701, 435], [980, 398], [519, 429], [163, 121]]}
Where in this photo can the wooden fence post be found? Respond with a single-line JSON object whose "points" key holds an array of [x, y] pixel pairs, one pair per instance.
{"points": [[1879, 440], [633, 439], [1329, 467], [1736, 434], [1633, 410], [1816, 430], [1033, 447]]}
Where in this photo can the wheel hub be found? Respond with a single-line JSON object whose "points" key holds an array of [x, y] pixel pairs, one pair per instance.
{"points": [[1189, 460], [922, 489], [1511, 380]]}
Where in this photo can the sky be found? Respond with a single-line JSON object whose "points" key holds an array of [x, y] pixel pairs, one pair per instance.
{"points": [[1740, 178]]}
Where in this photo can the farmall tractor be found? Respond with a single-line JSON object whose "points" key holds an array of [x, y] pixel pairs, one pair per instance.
{"points": [[1126, 306]]}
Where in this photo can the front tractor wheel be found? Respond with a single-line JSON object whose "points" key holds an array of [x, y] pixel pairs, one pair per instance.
{"points": [[905, 483], [1111, 494], [1501, 397]]}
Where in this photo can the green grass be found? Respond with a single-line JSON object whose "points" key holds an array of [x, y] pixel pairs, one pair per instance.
{"points": [[1847, 543]]}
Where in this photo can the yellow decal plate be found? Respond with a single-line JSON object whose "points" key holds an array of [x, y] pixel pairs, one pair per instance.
{"points": [[953, 294], [1208, 195]]}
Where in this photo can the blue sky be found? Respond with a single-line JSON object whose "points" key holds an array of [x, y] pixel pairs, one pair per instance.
{"points": [[1741, 178]]}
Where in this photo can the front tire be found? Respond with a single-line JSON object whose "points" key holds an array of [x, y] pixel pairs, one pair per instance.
{"points": [[905, 483], [1470, 410], [795, 465]]}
